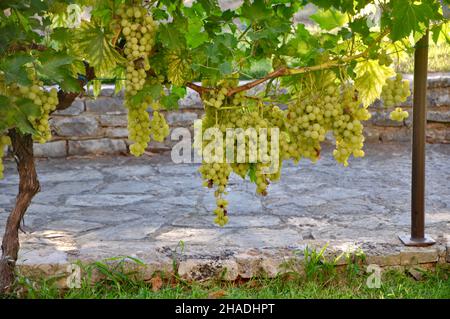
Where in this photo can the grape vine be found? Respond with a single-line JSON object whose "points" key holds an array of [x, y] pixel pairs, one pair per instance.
{"points": [[320, 79]]}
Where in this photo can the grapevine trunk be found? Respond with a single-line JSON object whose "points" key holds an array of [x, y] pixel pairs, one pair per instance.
{"points": [[22, 146]]}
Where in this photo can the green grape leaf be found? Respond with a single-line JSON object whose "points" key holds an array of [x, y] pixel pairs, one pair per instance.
{"points": [[92, 44], [196, 36], [14, 68], [410, 16], [226, 68], [178, 68], [170, 101], [370, 78], [179, 91], [16, 115], [159, 14], [171, 37], [61, 35], [28, 108], [57, 66], [152, 90], [119, 82], [24, 125], [329, 19], [256, 10], [209, 5]]}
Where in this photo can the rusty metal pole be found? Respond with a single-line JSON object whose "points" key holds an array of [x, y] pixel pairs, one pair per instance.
{"points": [[418, 237]]}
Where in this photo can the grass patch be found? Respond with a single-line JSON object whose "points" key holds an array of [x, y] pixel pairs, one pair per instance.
{"points": [[318, 278]]}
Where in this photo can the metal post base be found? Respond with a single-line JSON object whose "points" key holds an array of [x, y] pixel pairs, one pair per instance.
{"points": [[417, 242]]}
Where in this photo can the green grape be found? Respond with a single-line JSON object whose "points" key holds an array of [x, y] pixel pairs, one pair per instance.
{"points": [[385, 59], [398, 115], [395, 91], [159, 127]]}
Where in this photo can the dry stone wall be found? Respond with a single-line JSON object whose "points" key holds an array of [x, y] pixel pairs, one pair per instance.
{"points": [[99, 126]]}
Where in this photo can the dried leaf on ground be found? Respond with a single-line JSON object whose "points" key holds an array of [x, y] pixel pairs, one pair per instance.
{"points": [[156, 283], [217, 294]]}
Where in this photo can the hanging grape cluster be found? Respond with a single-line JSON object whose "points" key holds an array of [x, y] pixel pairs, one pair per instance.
{"points": [[394, 93], [158, 126], [45, 100], [398, 114], [224, 112], [325, 105], [139, 31]]}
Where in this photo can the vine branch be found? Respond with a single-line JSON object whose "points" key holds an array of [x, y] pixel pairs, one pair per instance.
{"points": [[287, 71]]}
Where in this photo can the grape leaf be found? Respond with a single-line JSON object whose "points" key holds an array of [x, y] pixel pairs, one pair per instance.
{"points": [[92, 44], [178, 68], [96, 87], [153, 90], [370, 78], [28, 108], [57, 66], [14, 69], [170, 101], [329, 19], [256, 11], [225, 68], [410, 16], [171, 37], [196, 36], [16, 114]]}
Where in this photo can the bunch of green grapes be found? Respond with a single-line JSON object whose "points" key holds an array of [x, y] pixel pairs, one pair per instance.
{"points": [[217, 175], [395, 91], [398, 115], [348, 129], [139, 30], [232, 112], [139, 126], [215, 172], [218, 98], [385, 59], [311, 116], [324, 105], [159, 127], [221, 212], [47, 102], [4, 141]]}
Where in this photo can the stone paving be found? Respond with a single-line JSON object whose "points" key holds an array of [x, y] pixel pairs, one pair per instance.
{"points": [[94, 208]]}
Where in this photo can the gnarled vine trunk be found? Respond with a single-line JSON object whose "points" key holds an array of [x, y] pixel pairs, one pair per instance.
{"points": [[22, 147]]}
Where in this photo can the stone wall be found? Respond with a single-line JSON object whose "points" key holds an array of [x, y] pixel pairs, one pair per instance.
{"points": [[99, 126]]}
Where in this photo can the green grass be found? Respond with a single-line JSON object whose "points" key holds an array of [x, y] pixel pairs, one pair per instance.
{"points": [[438, 59], [394, 285], [318, 278]]}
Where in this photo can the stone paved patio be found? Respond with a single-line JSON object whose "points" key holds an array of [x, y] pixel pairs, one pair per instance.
{"points": [[91, 209]]}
